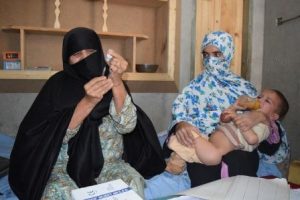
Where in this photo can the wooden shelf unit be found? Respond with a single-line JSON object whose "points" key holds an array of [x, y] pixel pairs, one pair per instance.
{"points": [[149, 3], [29, 35], [43, 75], [35, 74], [23, 30], [44, 30]]}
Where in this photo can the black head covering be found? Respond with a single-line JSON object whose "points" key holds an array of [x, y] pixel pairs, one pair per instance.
{"points": [[41, 132], [77, 40]]}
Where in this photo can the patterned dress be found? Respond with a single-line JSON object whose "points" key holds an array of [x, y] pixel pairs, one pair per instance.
{"points": [[205, 97], [278, 163], [114, 125]]}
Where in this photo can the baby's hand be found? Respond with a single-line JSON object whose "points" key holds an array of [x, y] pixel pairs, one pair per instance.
{"points": [[225, 118], [227, 115]]}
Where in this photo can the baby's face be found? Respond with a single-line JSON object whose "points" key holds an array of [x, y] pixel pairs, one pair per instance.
{"points": [[269, 103]]}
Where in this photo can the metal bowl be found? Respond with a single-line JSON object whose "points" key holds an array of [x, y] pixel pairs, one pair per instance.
{"points": [[146, 68]]}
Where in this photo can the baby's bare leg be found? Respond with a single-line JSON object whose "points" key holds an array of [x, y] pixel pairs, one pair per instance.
{"points": [[211, 152], [207, 152], [175, 164], [221, 142]]}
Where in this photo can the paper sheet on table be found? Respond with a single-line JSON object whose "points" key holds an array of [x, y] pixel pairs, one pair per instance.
{"points": [[242, 188], [116, 190]]}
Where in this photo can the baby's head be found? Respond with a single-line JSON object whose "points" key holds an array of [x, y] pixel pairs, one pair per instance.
{"points": [[273, 103]]}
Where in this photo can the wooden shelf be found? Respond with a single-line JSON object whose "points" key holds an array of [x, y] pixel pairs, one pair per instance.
{"points": [[29, 29], [25, 74], [148, 3], [132, 45], [24, 31], [44, 75]]}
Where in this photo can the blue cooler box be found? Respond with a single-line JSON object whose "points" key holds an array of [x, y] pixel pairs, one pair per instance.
{"points": [[11, 65]]}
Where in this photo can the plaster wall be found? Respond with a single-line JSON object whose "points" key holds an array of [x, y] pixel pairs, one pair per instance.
{"points": [[281, 61]]}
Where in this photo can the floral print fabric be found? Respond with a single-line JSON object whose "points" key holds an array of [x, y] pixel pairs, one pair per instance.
{"points": [[114, 125], [281, 154], [205, 97]]}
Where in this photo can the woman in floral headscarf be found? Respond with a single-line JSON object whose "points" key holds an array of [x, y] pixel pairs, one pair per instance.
{"points": [[199, 106]]}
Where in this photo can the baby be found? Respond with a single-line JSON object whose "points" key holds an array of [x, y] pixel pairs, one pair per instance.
{"points": [[227, 137]]}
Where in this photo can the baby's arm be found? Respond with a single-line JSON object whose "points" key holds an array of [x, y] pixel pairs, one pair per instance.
{"points": [[248, 120], [228, 114], [254, 117], [250, 137]]}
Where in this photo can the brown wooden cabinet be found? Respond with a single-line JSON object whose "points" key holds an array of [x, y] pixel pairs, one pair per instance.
{"points": [[226, 15]]}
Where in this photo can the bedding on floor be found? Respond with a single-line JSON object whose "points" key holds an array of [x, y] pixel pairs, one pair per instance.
{"points": [[161, 185]]}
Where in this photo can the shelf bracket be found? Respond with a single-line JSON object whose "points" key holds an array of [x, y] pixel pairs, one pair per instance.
{"points": [[280, 20], [57, 13], [105, 8]]}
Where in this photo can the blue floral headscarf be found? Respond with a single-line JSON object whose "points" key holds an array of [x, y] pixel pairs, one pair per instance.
{"points": [[224, 42], [215, 89]]}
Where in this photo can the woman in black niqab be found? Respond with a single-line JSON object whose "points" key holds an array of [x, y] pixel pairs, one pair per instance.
{"points": [[42, 131]]}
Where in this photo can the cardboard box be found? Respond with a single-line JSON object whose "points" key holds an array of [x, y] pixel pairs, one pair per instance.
{"points": [[11, 60], [117, 190], [294, 172], [11, 55], [11, 65]]}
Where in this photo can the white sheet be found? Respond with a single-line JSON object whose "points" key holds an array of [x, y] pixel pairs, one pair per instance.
{"points": [[242, 188]]}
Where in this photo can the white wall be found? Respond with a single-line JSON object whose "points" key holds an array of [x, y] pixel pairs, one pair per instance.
{"points": [[256, 41], [14, 106], [281, 61]]}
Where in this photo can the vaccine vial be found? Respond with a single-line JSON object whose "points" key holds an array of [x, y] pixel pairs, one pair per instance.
{"points": [[108, 57]]}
